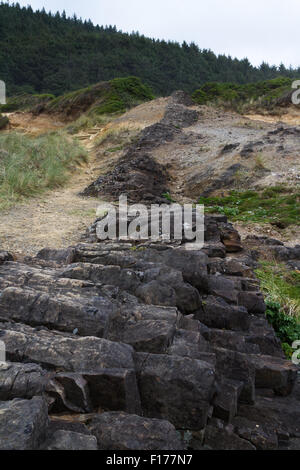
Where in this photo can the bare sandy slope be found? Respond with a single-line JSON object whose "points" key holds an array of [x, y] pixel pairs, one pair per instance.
{"points": [[290, 116]]}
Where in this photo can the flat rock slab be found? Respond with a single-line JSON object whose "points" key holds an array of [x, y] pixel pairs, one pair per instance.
{"points": [[70, 353], [57, 311], [146, 328], [121, 431], [68, 440]]}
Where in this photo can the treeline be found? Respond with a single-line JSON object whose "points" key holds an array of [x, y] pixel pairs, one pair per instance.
{"points": [[50, 53]]}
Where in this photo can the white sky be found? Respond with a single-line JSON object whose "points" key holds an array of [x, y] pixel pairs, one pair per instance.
{"points": [[257, 29]]}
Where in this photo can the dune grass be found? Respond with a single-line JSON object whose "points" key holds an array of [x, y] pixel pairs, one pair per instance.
{"points": [[282, 295], [88, 121], [31, 165]]}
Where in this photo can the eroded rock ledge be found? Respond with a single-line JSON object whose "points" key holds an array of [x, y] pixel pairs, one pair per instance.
{"points": [[133, 343]]}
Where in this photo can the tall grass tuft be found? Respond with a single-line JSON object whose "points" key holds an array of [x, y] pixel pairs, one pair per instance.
{"points": [[31, 165]]}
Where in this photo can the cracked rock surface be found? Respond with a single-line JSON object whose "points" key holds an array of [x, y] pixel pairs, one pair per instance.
{"points": [[139, 344]]}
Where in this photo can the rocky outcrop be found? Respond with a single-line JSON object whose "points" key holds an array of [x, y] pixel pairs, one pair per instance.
{"points": [[138, 174], [290, 255], [142, 340], [23, 424]]}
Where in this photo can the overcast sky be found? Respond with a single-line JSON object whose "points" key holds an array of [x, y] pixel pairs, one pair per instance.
{"points": [[258, 29]]}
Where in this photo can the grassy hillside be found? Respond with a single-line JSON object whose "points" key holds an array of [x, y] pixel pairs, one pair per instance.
{"points": [[25, 102], [266, 94], [115, 96], [44, 53]]}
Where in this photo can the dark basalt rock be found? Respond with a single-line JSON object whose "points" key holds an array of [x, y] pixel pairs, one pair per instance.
{"points": [[230, 147], [60, 256], [22, 381], [57, 311], [121, 431], [54, 350], [68, 440], [219, 436], [23, 423], [175, 388]]}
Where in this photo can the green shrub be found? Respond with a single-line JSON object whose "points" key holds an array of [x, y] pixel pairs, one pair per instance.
{"points": [[264, 94], [282, 290], [123, 94], [103, 98]]}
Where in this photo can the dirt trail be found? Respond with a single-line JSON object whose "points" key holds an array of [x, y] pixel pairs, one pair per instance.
{"points": [[57, 218]]}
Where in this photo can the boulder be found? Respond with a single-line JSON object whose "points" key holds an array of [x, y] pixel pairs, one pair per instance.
{"points": [[70, 353], [5, 256], [226, 399], [58, 311], [275, 373], [216, 313], [23, 423], [189, 344], [66, 256], [146, 328], [236, 366], [175, 388], [262, 437], [22, 381], [121, 431]]}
